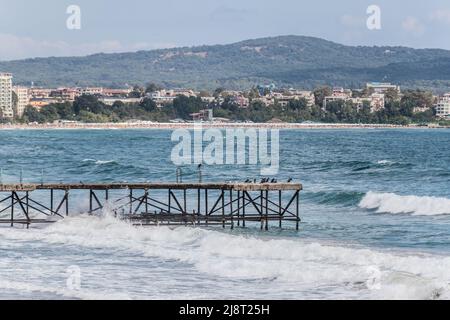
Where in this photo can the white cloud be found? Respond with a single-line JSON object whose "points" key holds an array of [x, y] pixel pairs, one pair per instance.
{"points": [[413, 25], [15, 47], [441, 15]]}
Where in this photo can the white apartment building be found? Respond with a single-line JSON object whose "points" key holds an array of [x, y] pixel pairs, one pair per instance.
{"points": [[6, 108], [443, 107], [23, 100]]}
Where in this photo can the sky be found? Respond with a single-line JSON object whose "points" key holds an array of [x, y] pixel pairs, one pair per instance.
{"points": [[39, 28]]}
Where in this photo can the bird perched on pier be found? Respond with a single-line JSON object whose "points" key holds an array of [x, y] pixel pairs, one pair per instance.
{"points": [[289, 180], [254, 180], [248, 181], [274, 181]]}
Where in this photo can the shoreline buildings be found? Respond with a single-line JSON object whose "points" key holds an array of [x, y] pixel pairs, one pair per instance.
{"points": [[15, 99]]}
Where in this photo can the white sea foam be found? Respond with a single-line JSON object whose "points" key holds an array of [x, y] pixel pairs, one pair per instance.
{"points": [[294, 264], [385, 162], [393, 203], [60, 292], [99, 162]]}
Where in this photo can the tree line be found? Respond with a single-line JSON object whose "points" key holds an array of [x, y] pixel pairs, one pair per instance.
{"points": [[89, 109]]}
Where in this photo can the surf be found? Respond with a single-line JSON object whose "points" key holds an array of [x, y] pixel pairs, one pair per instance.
{"points": [[288, 262], [398, 204]]}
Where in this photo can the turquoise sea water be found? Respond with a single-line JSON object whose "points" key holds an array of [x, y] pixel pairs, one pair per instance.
{"points": [[375, 221]]}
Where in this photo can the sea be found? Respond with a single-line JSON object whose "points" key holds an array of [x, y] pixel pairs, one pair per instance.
{"points": [[375, 210]]}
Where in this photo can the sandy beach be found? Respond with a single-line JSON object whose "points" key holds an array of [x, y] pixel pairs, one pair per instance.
{"points": [[221, 125]]}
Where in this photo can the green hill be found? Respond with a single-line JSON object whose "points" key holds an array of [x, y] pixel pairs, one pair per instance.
{"points": [[286, 61]]}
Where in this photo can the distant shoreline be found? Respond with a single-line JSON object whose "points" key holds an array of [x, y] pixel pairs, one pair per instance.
{"points": [[207, 125]]}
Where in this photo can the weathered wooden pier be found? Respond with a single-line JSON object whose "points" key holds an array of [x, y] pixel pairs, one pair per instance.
{"points": [[146, 204]]}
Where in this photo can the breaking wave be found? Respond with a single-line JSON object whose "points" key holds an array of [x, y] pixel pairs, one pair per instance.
{"points": [[397, 204], [291, 263], [385, 162]]}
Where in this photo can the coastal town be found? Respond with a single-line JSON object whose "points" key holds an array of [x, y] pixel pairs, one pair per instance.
{"points": [[16, 100]]}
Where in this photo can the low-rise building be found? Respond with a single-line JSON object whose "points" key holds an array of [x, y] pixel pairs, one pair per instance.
{"points": [[40, 93], [283, 98], [109, 101], [65, 94], [208, 99], [339, 94], [382, 87], [116, 92], [266, 100], [375, 100], [302, 94], [420, 109], [91, 91], [163, 97], [203, 115], [240, 101]]}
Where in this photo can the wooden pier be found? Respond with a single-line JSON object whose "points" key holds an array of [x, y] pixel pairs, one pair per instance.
{"points": [[145, 204]]}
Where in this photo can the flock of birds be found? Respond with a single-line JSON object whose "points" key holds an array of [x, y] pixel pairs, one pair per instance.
{"points": [[263, 180]]}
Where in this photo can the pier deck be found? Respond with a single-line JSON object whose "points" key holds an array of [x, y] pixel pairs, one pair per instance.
{"points": [[227, 204], [151, 186]]}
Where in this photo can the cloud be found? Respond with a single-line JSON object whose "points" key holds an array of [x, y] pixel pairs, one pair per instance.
{"points": [[413, 25], [441, 15], [16, 47]]}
